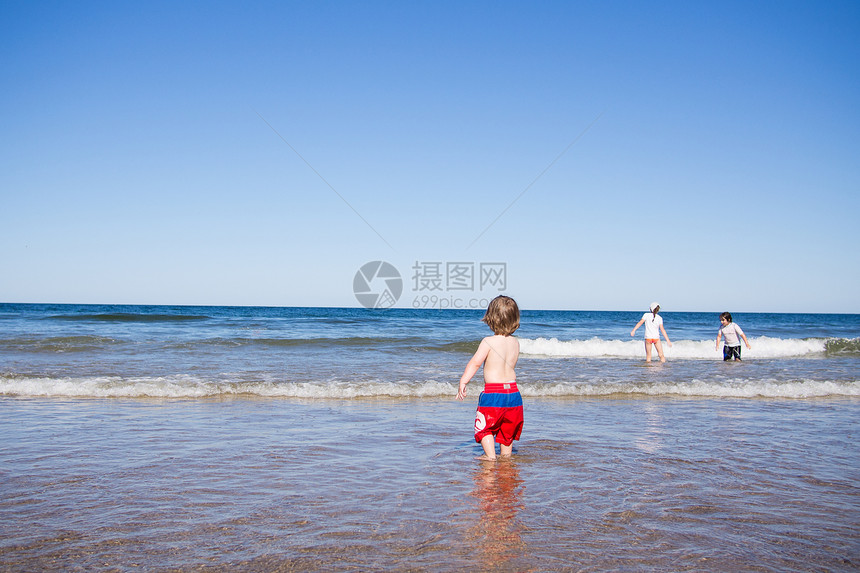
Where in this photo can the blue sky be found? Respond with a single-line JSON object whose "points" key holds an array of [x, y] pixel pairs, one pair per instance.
{"points": [[260, 153]]}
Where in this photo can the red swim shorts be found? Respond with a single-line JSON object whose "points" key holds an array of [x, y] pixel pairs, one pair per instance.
{"points": [[500, 413]]}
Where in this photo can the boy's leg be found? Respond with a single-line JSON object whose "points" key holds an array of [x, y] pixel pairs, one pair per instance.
{"points": [[489, 445], [510, 429]]}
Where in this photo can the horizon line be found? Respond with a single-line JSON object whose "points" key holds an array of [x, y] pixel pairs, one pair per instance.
{"points": [[360, 307]]}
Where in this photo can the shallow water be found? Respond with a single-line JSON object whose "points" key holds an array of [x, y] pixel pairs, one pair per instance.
{"points": [[646, 483]]}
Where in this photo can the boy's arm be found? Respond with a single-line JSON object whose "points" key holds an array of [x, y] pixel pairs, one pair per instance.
{"points": [[472, 367], [719, 336], [744, 337]]}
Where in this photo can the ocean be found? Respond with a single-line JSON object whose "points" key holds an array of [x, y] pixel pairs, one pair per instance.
{"points": [[280, 439]]}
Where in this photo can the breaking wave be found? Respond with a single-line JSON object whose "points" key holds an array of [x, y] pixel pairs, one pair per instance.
{"points": [[186, 386], [762, 347]]}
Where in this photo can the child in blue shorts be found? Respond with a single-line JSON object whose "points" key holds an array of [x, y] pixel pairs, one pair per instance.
{"points": [[732, 347]]}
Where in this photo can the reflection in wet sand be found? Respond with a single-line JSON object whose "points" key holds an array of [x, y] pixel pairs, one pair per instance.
{"points": [[498, 491], [652, 440]]}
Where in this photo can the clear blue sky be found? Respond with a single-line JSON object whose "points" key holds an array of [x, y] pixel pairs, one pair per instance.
{"points": [[146, 151]]}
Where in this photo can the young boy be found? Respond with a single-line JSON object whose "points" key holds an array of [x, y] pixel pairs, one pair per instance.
{"points": [[500, 407], [731, 331]]}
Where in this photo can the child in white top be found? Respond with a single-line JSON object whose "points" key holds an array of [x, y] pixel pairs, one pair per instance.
{"points": [[653, 328], [731, 331]]}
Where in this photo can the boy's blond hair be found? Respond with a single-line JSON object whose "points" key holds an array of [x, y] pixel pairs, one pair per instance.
{"points": [[503, 315]]}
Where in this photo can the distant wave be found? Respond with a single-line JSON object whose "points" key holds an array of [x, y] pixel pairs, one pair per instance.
{"points": [[186, 386], [91, 343], [370, 341], [460, 347], [57, 343], [129, 317], [762, 347]]}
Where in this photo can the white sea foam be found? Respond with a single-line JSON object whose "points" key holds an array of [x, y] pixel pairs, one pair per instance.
{"points": [[180, 386], [736, 388], [189, 387], [762, 347], [184, 386]]}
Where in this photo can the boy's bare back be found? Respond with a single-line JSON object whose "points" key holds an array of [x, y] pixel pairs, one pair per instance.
{"points": [[497, 354], [501, 361]]}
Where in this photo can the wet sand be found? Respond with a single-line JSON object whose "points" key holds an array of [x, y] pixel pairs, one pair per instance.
{"points": [[281, 484]]}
